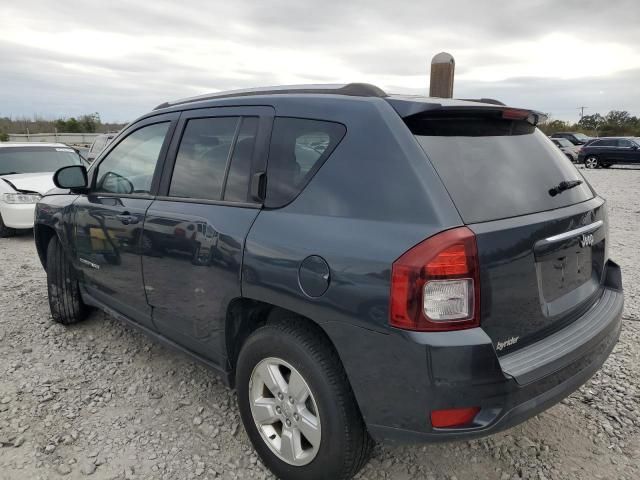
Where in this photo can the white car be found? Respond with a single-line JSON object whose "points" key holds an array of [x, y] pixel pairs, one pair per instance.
{"points": [[26, 173]]}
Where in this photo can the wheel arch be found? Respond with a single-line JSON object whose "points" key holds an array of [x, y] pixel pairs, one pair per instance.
{"points": [[42, 235], [244, 316]]}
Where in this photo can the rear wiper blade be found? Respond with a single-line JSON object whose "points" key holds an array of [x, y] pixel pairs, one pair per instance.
{"points": [[564, 185], [8, 173]]}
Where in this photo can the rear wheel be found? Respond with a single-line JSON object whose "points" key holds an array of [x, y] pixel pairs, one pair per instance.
{"points": [[591, 162], [297, 406], [5, 231], [65, 302]]}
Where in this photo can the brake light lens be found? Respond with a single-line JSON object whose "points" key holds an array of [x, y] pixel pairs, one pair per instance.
{"points": [[435, 286], [515, 114]]}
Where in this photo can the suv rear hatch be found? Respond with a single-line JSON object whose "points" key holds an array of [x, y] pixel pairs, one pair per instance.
{"points": [[541, 232]]}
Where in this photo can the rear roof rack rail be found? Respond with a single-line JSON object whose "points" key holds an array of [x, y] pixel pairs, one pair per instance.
{"points": [[350, 89]]}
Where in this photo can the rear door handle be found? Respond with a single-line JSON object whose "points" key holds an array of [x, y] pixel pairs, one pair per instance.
{"points": [[127, 219]]}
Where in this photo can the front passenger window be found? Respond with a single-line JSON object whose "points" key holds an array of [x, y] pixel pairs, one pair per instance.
{"points": [[130, 166], [202, 158]]}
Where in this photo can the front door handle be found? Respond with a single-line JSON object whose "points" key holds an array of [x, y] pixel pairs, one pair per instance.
{"points": [[127, 219]]}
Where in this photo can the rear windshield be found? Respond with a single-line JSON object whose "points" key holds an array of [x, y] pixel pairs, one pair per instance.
{"points": [[36, 159], [495, 168]]}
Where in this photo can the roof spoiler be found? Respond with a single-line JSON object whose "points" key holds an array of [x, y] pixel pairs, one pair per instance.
{"points": [[407, 108]]}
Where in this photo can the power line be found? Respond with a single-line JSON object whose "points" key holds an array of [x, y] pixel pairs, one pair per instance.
{"points": [[582, 111]]}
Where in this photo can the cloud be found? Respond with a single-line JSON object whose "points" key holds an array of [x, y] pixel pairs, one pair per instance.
{"points": [[123, 58]]}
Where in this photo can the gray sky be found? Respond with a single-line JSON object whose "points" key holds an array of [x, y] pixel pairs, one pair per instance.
{"points": [[122, 57]]}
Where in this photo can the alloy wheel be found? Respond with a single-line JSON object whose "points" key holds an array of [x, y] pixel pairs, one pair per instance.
{"points": [[591, 162], [285, 411]]}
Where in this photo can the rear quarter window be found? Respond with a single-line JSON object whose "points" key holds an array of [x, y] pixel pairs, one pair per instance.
{"points": [[298, 149], [496, 168]]}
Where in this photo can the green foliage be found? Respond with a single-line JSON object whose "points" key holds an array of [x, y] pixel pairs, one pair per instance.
{"points": [[84, 124], [4, 137], [89, 123], [616, 123]]}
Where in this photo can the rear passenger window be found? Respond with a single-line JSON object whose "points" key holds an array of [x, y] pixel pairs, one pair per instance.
{"points": [[202, 158], [237, 186], [298, 149]]}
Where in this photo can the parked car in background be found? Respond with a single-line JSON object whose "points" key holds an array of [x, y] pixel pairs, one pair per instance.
{"points": [[26, 171], [348, 260], [568, 148], [576, 138], [98, 145], [604, 152]]}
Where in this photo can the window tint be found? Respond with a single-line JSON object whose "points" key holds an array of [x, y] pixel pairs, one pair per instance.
{"points": [[129, 167], [237, 186], [624, 143], [298, 148], [606, 143], [202, 158], [496, 168]]}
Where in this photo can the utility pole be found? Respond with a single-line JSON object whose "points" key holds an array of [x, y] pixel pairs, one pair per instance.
{"points": [[441, 80], [582, 111]]}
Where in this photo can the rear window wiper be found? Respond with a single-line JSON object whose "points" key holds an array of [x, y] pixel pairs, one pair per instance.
{"points": [[564, 185], [8, 173]]}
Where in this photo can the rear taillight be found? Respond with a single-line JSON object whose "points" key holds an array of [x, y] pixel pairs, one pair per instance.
{"points": [[435, 286]]}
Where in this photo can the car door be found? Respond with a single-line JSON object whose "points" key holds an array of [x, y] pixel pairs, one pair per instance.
{"points": [[605, 150], [626, 153], [194, 231], [109, 218]]}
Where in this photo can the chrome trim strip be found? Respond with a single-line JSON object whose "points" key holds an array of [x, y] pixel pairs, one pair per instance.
{"points": [[574, 233]]}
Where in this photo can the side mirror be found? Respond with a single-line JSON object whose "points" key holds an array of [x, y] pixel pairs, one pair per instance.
{"points": [[71, 177]]}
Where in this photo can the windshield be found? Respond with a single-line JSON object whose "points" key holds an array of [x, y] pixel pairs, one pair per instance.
{"points": [[495, 168], [581, 136], [563, 142], [36, 159]]}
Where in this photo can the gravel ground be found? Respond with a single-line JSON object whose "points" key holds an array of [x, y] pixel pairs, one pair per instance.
{"points": [[99, 399]]}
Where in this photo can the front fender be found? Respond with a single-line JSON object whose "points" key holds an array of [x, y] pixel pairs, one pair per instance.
{"points": [[54, 215]]}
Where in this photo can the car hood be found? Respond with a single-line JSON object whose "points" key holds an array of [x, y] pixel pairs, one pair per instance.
{"points": [[30, 182]]}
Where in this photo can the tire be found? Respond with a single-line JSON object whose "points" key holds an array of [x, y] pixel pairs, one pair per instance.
{"points": [[65, 301], [5, 231], [341, 444], [591, 162]]}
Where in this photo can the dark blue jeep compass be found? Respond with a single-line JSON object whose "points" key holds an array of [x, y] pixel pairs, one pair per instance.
{"points": [[360, 266]]}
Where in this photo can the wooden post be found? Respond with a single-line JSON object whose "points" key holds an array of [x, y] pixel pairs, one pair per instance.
{"points": [[442, 70]]}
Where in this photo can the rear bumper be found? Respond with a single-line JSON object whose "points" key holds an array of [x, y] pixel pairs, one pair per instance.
{"points": [[461, 369], [17, 215]]}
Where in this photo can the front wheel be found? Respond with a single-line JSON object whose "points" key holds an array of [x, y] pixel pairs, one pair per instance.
{"points": [[297, 406], [591, 162], [65, 302]]}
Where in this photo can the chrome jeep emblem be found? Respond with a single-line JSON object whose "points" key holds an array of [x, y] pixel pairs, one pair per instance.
{"points": [[586, 240]]}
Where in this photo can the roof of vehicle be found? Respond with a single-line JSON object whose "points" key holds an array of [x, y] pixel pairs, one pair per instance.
{"points": [[615, 138], [33, 144], [405, 105]]}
